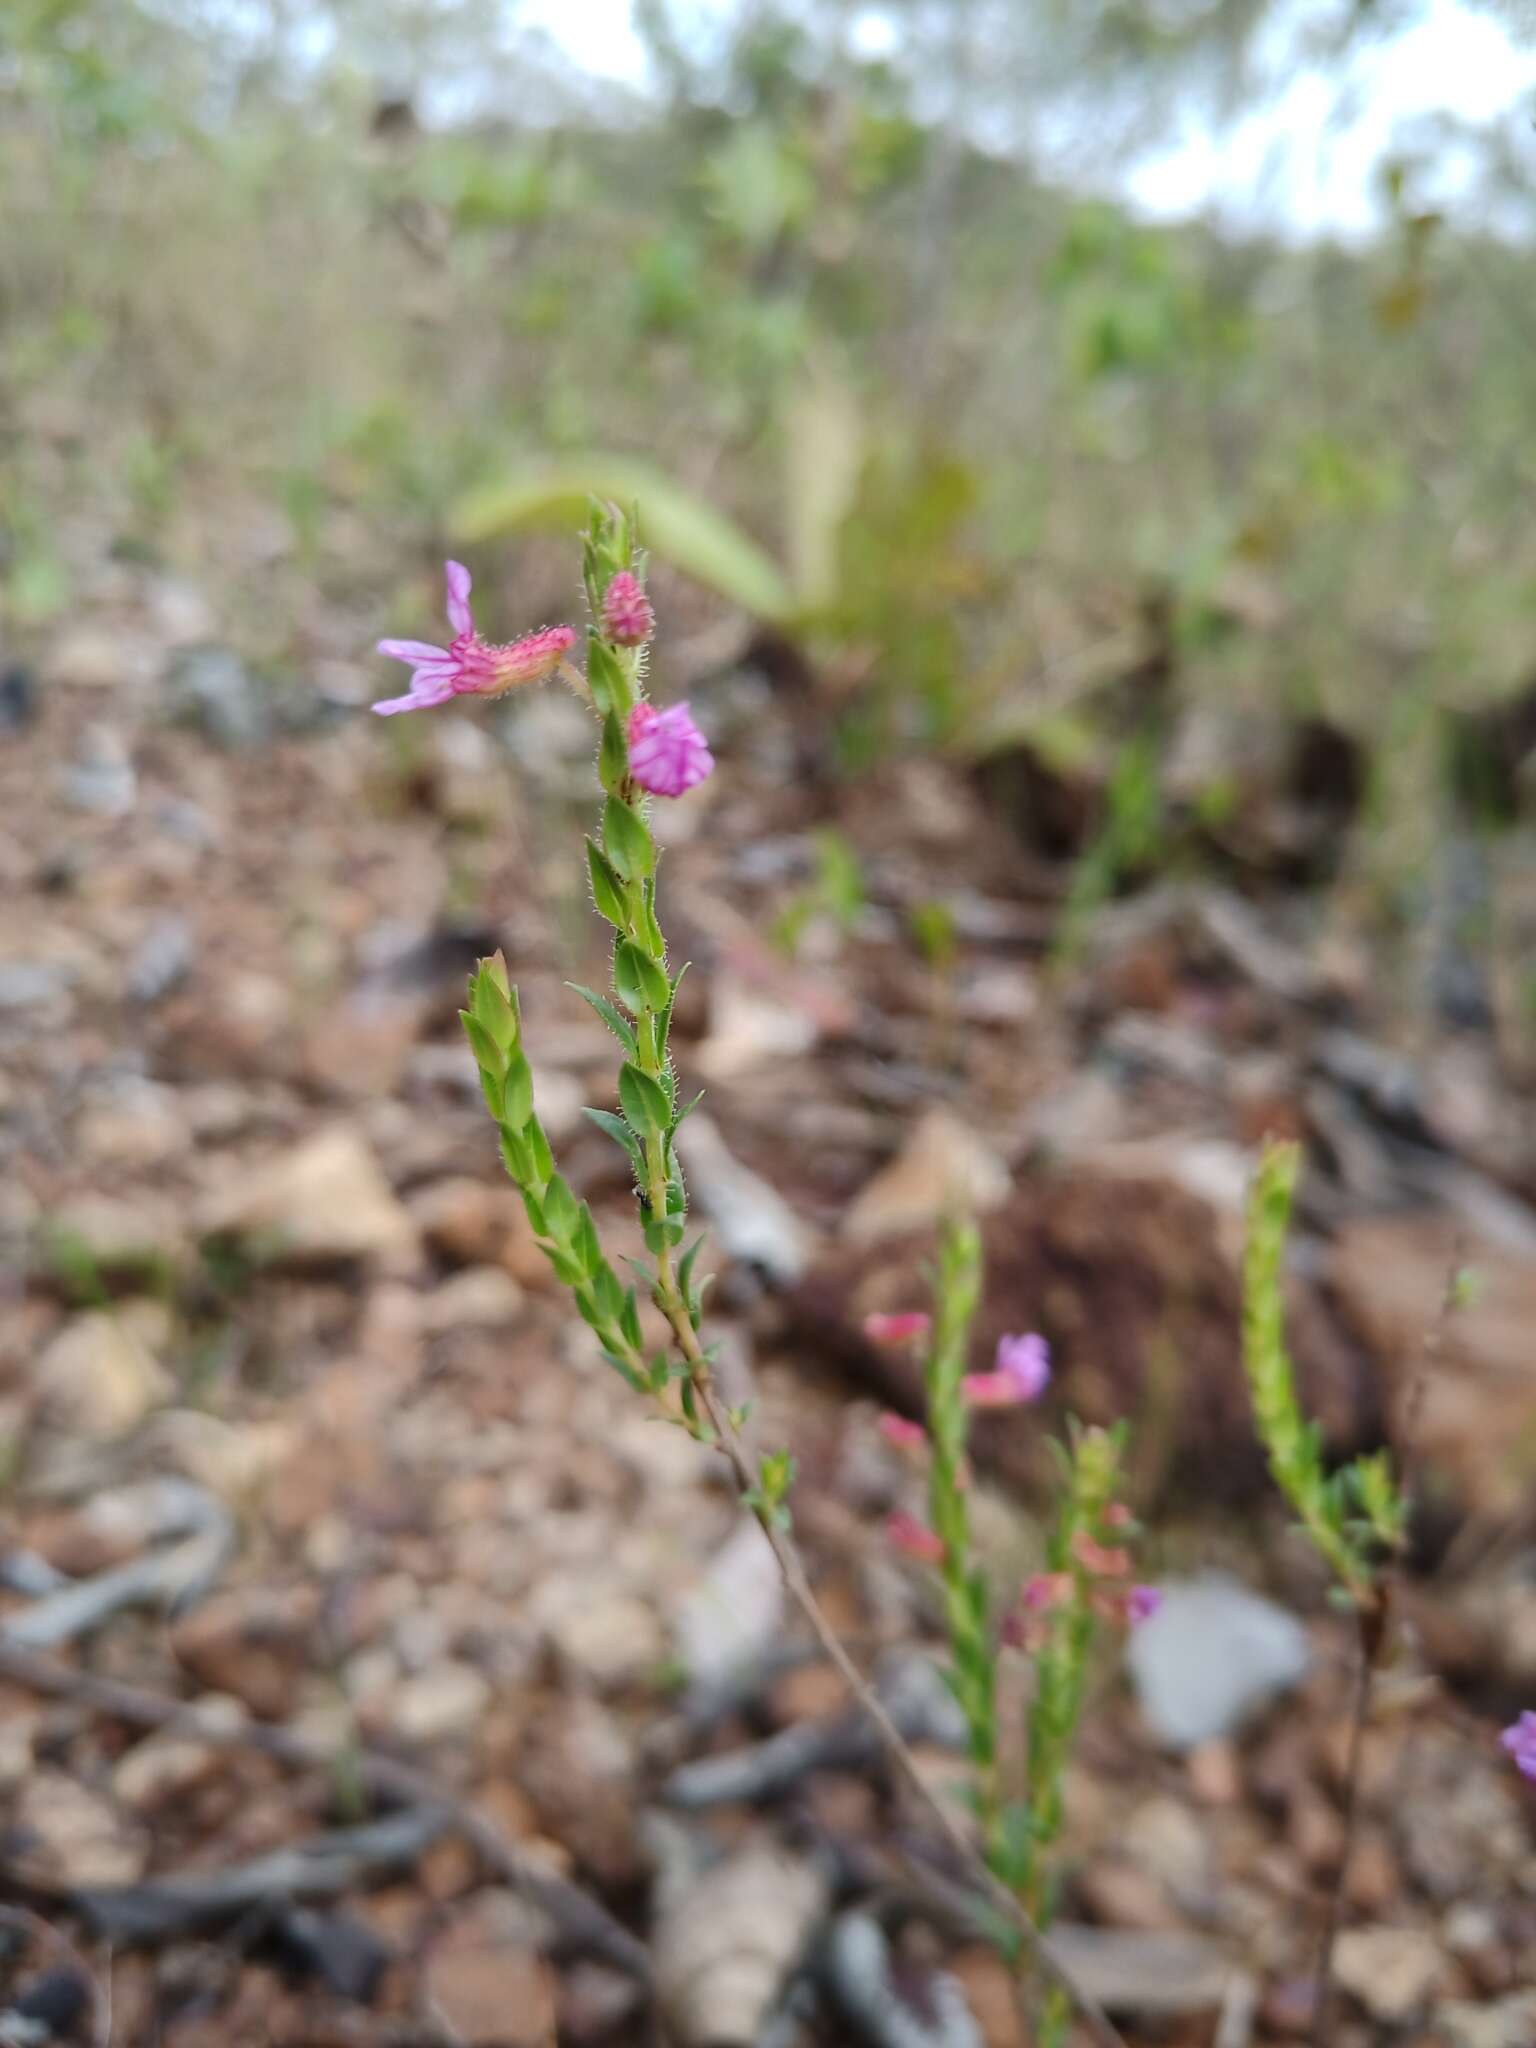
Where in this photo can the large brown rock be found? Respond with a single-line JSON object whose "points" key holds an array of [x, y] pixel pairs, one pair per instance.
{"points": [[1468, 1375], [1134, 1282]]}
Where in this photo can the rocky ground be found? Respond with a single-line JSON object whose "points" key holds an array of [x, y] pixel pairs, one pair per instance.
{"points": [[499, 1730]]}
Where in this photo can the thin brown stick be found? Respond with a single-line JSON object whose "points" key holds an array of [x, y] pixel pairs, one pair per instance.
{"points": [[797, 1583], [1373, 1636], [1374, 1631], [580, 1918]]}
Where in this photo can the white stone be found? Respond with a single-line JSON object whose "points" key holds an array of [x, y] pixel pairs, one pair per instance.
{"points": [[1211, 1655]]}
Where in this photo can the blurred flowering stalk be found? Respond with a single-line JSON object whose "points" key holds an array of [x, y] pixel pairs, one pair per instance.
{"points": [[1058, 1614], [1355, 1516]]}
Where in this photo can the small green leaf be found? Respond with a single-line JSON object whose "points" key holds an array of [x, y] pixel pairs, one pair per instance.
{"points": [[607, 889], [641, 984], [543, 1160], [561, 1213], [517, 1104], [612, 756], [629, 1319], [611, 1017], [607, 679], [644, 1099], [627, 840], [621, 1134], [493, 1001]]}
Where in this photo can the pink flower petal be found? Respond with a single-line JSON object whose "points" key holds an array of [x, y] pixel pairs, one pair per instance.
{"points": [[459, 586], [1141, 1603], [667, 752], [425, 692], [913, 1538], [897, 1329], [991, 1390], [905, 1435], [1026, 1360], [417, 652]]}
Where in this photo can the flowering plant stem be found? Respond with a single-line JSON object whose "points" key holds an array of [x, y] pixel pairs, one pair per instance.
{"points": [[622, 866]]}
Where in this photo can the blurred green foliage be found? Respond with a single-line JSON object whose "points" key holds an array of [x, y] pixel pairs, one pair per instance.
{"points": [[308, 299]]}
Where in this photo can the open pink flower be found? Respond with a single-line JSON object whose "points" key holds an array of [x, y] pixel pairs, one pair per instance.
{"points": [[913, 1538], [896, 1329], [1026, 1361], [1020, 1374], [901, 1433], [1520, 1741], [667, 752], [628, 620], [1142, 1602], [470, 666]]}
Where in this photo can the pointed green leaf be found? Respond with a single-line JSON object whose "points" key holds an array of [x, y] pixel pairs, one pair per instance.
{"points": [[612, 1017], [627, 840], [612, 756], [644, 1100], [607, 889], [640, 983], [680, 528], [621, 1134]]}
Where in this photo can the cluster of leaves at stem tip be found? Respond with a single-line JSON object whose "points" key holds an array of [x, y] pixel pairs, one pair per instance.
{"points": [[1356, 1514], [1017, 1831], [621, 863]]}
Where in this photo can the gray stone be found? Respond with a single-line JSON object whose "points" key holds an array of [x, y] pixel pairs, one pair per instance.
{"points": [[1211, 1655]]}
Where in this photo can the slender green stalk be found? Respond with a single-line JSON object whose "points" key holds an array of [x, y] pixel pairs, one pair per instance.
{"points": [[637, 1009]]}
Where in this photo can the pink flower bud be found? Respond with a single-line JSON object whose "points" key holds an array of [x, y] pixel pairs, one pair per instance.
{"points": [[896, 1329], [667, 752], [1046, 1589], [913, 1538], [902, 1434], [628, 620]]}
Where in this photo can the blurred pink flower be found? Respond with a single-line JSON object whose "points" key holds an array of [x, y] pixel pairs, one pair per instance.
{"points": [[628, 620], [898, 1328], [667, 752], [905, 1435], [1046, 1589], [1094, 1557], [1142, 1602], [470, 666], [1021, 1373], [1520, 1741], [913, 1538], [1026, 1361]]}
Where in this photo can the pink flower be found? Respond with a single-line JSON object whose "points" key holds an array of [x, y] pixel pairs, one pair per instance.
{"points": [[896, 1329], [470, 666], [1021, 1373], [1094, 1557], [667, 752], [1520, 1741], [1142, 1602], [628, 620], [1046, 1589], [902, 1434], [1026, 1361], [913, 1538]]}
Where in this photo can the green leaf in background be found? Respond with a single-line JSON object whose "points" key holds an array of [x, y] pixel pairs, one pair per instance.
{"points": [[679, 527]]}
